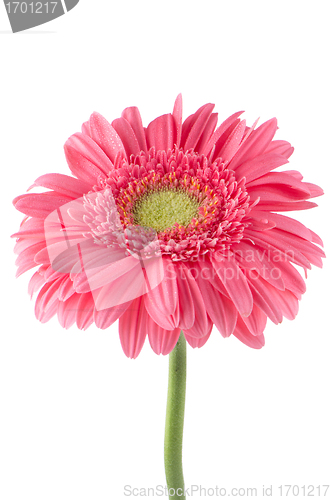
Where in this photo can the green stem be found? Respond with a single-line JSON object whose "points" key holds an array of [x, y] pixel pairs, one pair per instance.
{"points": [[173, 439]]}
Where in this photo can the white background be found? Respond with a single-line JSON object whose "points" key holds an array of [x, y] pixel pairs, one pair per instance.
{"points": [[78, 419]]}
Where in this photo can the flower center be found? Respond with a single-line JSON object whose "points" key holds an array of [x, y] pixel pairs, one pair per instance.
{"points": [[164, 208]]}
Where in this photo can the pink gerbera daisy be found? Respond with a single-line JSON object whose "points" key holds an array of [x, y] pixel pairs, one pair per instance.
{"points": [[168, 228]]}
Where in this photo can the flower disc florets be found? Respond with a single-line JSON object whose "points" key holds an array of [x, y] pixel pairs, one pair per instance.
{"points": [[195, 206]]}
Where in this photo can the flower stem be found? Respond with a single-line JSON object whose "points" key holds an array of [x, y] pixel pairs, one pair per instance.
{"points": [[173, 439]]}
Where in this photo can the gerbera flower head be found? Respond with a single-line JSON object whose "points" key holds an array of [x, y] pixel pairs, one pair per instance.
{"points": [[168, 228]]}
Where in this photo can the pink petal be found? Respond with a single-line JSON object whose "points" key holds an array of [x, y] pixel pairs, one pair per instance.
{"points": [[106, 137], [66, 311], [285, 206], [63, 184], [84, 313], [221, 310], [39, 204], [244, 335], [161, 341], [106, 317], [219, 132], [256, 143], [258, 166], [235, 284], [283, 148], [201, 322], [233, 142], [80, 161], [160, 133], [256, 321], [198, 341], [132, 328], [207, 132], [197, 126], [186, 304], [132, 115], [284, 223], [262, 299], [177, 115], [127, 135], [36, 281], [161, 301]]}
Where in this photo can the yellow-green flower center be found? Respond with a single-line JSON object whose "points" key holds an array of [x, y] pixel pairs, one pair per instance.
{"points": [[162, 209]]}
